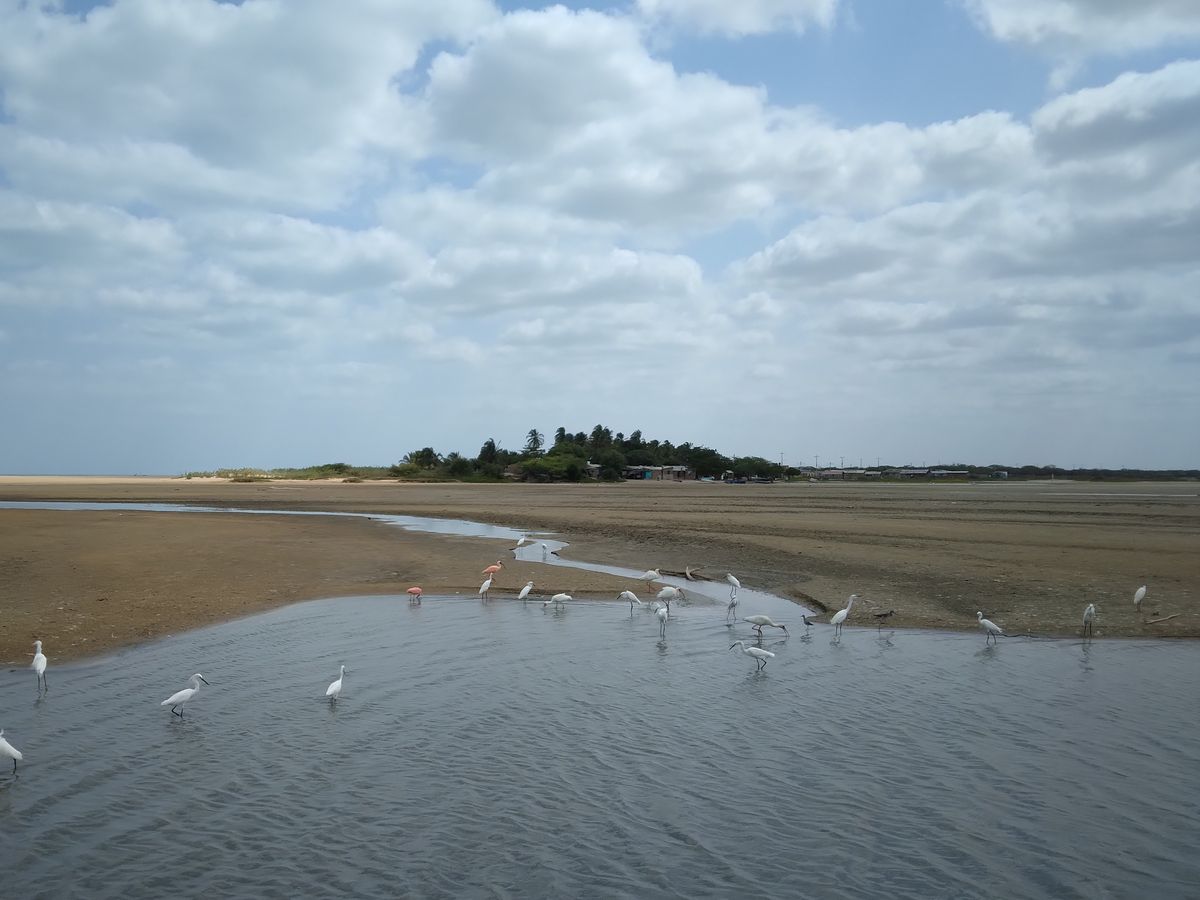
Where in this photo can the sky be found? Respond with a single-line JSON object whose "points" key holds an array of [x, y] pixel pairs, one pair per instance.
{"points": [[291, 232]]}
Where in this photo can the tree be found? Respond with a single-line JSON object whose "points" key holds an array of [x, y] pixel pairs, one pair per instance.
{"points": [[534, 441], [611, 462], [487, 453], [560, 436], [426, 458], [456, 464]]}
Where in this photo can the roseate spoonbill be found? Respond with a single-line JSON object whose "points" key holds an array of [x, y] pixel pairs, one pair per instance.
{"points": [[176, 700], [492, 570], [756, 653], [414, 595], [760, 622], [990, 628]]}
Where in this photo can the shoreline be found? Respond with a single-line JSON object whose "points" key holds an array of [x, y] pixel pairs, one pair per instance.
{"points": [[99, 581]]}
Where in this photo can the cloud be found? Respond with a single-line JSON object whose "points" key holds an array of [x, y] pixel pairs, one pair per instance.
{"points": [[742, 18], [1088, 26]]}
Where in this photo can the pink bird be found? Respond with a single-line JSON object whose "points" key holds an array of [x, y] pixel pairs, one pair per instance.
{"points": [[492, 570], [414, 594]]}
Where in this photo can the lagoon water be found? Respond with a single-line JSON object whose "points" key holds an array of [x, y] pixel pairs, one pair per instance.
{"points": [[508, 750]]}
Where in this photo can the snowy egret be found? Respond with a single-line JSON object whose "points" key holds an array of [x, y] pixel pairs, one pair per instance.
{"points": [[181, 697], [521, 540], [757, 653], [1089, 616], [8, 750], [484, 588], [524, 595], [650, 575], [631, 598], [667, 594], [760, 622], [39, 663], [1138, 596], [545, 550], [335, 688], [734, 584], [492, 570], [840, 616], [414, 595], [990, 628], [661, 612]]}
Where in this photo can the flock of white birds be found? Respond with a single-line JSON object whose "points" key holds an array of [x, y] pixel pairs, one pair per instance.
{"points": [[660, 607]]}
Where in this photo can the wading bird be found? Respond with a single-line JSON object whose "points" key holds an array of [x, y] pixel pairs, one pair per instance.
{"points": [[492, 570], [757, 653], [335, 688], [9, 751], [661, 613], [631, 598], [524, 595], [840, 616], [484, 588], [761, 622], [734, 584], [731, 609], [545, 550], [668, 594], [558, 600], [414, 595], [1089, 616], [650, 575], [520, 540], [990, 628], [882, 617], [176, 700], [39, 664], [808, 622], [1138, 596]]}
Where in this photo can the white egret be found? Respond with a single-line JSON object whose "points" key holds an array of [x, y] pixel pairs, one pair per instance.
{"points": [[1089, 616], [760, 622], [520, 540], [545, 550], [335, 688], [1138, 596], [631, 598], [558, 600], [731, 609], [661, 612], [181, 697], [39, 663], [757, 653], [414, 594], [9, 751], [990, 628], [484, 588], [524, 595], [650, 575], [667, 594], [840, 616], [734, 584]]}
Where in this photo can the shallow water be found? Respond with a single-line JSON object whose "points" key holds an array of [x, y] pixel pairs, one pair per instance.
{"points": [[509, 750]]}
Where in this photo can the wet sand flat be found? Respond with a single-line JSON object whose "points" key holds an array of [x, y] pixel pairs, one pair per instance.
{"points": [[1030, 555]]}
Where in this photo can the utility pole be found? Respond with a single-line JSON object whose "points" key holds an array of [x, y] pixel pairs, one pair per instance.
{"points": [[843, 459], [816, 461]]}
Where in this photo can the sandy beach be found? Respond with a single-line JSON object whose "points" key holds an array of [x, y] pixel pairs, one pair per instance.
{"points": [[1030, 555]]}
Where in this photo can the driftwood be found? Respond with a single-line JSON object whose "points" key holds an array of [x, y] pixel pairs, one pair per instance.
{"points": [[1163, 619], [689, 573]]}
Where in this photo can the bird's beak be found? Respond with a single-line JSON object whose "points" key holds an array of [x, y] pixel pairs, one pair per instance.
{"points": [[206, 681], [731, 646]]}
